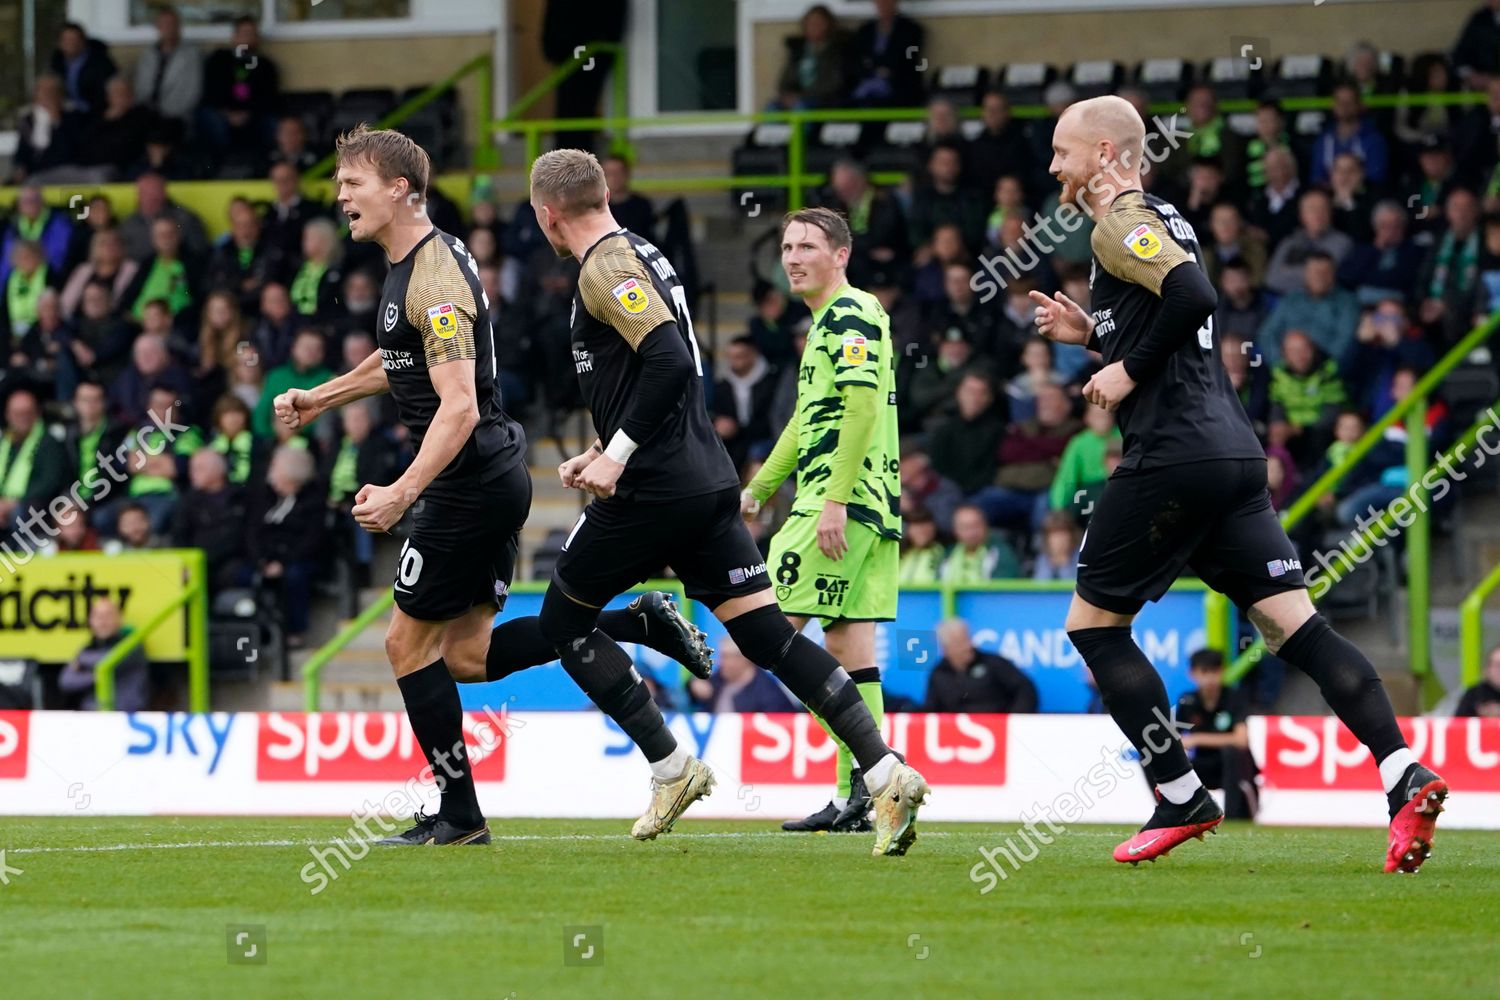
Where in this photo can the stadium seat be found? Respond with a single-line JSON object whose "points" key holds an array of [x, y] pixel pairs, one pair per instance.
{"points": [[364, 105], [314, 107], [1357, 594], [1302, 76], [1241, 123], [832, 141], [1309, 123], [1024, 83], [1468, 389], [1164, 79], [764, 152], [20, 685], [1392, 70], [1093, 77], [963, 85], [1232, 78], [897, 147]]}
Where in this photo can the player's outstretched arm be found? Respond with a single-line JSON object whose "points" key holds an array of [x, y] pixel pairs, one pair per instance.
{"points": [[773, 472], [297, 407], [378, 508]]}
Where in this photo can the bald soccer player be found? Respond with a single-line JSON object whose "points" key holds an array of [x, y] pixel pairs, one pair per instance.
{"points": [[1190, 493]]}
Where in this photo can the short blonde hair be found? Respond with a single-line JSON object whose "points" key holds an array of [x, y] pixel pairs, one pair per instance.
{"points": [[392, 155], [571, 180]]}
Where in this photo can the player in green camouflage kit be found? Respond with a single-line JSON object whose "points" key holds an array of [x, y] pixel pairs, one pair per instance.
{"points": [[837, 557]]}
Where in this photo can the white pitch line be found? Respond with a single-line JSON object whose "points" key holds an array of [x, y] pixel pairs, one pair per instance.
{"points": [[96, 849]]}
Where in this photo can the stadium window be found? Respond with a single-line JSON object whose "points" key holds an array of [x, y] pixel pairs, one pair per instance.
{"points": [[196, 11], [289, 11]]}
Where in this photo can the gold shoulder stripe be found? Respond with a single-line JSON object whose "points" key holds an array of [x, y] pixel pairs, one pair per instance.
{"points": [[617, 290], [441, 304], [1131, 243]]}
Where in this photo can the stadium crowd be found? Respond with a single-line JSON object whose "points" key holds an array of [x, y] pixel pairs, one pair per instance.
{"points": [[1346, 262]]}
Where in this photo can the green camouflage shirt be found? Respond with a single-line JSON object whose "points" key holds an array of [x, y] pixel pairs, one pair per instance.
{"points": [[849, 345]]}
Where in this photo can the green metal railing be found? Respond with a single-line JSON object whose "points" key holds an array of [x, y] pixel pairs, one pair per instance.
{"points": [[194, 597], [1413, 410], [1471, 628]]}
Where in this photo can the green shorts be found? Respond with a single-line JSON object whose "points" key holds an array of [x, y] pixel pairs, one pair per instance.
{"points": [[861, 587]]}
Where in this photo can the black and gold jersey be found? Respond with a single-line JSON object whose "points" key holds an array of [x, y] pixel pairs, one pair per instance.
{"points": [[626, 290], [433, 310], [1187, 411]]}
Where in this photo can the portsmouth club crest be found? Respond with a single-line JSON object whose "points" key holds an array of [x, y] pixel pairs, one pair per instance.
{"points": [[391, 315]]}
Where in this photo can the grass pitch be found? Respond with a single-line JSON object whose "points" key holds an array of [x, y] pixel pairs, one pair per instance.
{"points": [[153, 907]]}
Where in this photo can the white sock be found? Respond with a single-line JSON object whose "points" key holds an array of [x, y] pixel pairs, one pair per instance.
{"points": [[1179, 790], [879, 775], [671, 766], [1394, 766], [840, 801]]}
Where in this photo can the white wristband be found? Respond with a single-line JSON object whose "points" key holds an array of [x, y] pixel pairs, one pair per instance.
{"points": [[621, 447]]}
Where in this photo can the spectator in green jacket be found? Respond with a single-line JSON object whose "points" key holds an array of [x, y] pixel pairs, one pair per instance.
{"points": [[34, 466], [921, 553], [1082, 467], [1306, 396], [976, 555], [304, 369]]}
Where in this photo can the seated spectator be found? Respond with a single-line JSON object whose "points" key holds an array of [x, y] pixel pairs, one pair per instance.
{"points": [[117, 140], [245, 259], [165, 276], [930, 389], [151, 365], [152, 204], [1448, 280], [1351, 198], [289, 211], [1477, 52], [315, 286], [771, 326], [304, 369], [1483, 699], [1281, 477], [921, 552], [1388, 264], [922, 488], [928, 283], [1350, 131], [1475, 138], [241, 90], [1073, 363], [742, 401], [131, 532], [1219, 739], [34, 466], [1386, 342], [970, 680], [963, 446], [1284, 273], [278, 325], [1436, 180], [1242, 306], [232, 438], [29, 279], [286, 536], [291, 145], [818, 65], [1270, 133], [1372, 483], [248, 376], [77, 682], [1001, 148], [107, 267], [1205, 190], [941, 199], [1319, 308], [1275, 207], [961, 314], [73, 531], [738, 686], [90, 440], [1306, 396], [220, 332], [211, 517], [1416, 123], [1029, 457], [1061, 541], [1037, 371], [169, 73], [1229, 240], [1081, 472], [1362, 69], [886, 75], [1010, 200], [631, 209], [875, 221], [158, 451], [42, 357], [101, 341], [50, 135], [1250, 378], [84, 66], [977, 555], [1212, 139], [366, 455], [51, 230]]}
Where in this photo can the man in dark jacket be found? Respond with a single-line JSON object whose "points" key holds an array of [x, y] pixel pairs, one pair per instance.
{"points": [[738, 686], [968, 680], [1483, 699], [875, 221], [132, 674], [567, 25], [287, 534], [1002, 149], [84, 65], [963, 446], [888, 52], [211, 517], [33, 464], [742, 399]]}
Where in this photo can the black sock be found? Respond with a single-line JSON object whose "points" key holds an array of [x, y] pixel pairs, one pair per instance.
{"points": [[1136, 698], [813, 675], [1349, 684], [606, 674], [518, 643], [432, 705]]}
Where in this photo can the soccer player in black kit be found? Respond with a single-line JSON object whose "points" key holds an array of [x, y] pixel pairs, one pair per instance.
{"points": [[1190, 493], [666, 494], [469, 481]]}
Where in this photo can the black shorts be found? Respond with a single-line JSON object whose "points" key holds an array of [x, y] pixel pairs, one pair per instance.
{"points": [[1214, 518], [618, 543], [462, 549]]}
